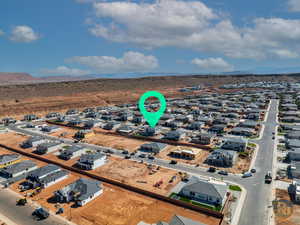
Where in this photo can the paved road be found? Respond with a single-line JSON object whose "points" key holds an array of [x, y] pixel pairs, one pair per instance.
{"points": [[22, 214], [255, 209], [258, 193]]}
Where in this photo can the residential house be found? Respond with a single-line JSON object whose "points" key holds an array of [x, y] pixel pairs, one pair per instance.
{"points": [[293, 155], [174, 135], [50, 129], [72, 112], [179, 220], [293, 135], [18, 169], [290, 119], [243, 131], [125, 129], [293, 170], [53, 178], [72, 152], [203, 139], [153, 147], [218, 128], [91, 161], [47, 147], [221, 158], [188, 154], [111, 125], [148, 131], [30, 117], [195, 125], [235, 144], [53, 115], [205, 191], [46, 176], [249, 124], [33, 142], [81, 191], [292, 143], [294, 190], [9, 159]]}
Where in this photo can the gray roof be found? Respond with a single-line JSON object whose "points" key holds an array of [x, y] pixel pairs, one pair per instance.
{"points": [[72, 149], [86, 187], [180, 220], [54, 176], [197, 185], [154, 145], [91, 156], [6, 158], [48, 144], [42, 171], [19, 167]]}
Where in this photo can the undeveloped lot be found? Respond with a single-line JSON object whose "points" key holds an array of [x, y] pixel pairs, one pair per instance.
{"points": [[285, 215], [117, 142], [139, 175]]}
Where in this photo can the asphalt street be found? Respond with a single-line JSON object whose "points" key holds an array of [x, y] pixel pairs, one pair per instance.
{"points": [[22, 214]]}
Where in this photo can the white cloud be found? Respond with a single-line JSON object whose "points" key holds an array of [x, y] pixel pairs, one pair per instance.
{"points": [[23, 34], [213, 64], [294, 5], [129, 62], [193, 25], [64, 70], [1, 32]]}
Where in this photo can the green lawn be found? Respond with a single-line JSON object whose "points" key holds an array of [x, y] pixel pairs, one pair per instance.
{"points": [[235, 188], [252, 145], [203, 205]]}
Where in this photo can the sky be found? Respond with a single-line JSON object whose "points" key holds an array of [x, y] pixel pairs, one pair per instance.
{"points": [[83, 37]]}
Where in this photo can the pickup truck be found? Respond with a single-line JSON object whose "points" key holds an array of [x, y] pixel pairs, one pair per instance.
{"points": [[268, 177]]}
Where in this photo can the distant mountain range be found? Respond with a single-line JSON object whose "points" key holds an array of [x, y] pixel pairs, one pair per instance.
{"points": [[23, 78], [26, 78]]}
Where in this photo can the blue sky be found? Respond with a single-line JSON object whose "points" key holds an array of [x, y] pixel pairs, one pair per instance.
{"points": [[81, 37]]}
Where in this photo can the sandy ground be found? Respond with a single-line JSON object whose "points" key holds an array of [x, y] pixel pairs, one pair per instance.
{"points": [[116, 142], [287, 215], [138, 175], [115, 206]]}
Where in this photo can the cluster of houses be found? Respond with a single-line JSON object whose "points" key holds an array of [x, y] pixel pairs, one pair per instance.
{"points": [[196, 119], [80, 192], [289, 133]]}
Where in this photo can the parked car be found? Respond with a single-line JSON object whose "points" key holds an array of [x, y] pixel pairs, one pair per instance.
{"points": [[223, 172], [142, 155], [151, 157], [125, 152], [273, 137], [247, 174], [40, 214], [211, 169], [253, 170], [127, 157], [173, 162]]}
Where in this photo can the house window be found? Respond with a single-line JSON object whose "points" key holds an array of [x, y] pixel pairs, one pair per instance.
{"points": [[192, 193]]}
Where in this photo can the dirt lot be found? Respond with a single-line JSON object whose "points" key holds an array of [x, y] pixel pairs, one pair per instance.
{"points": [[285, 215], [116, 142], [139, 175], [201, 156]]}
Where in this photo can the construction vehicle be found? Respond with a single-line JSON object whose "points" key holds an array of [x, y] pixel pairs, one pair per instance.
{"points": [[158, 184], [268, 177], [22, 201]]}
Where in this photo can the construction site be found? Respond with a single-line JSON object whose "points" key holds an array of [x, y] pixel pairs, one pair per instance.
{"points": [[116, 206]]}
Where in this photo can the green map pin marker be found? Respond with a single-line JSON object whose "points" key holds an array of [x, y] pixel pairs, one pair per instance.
{"points": [[152, 117]]}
